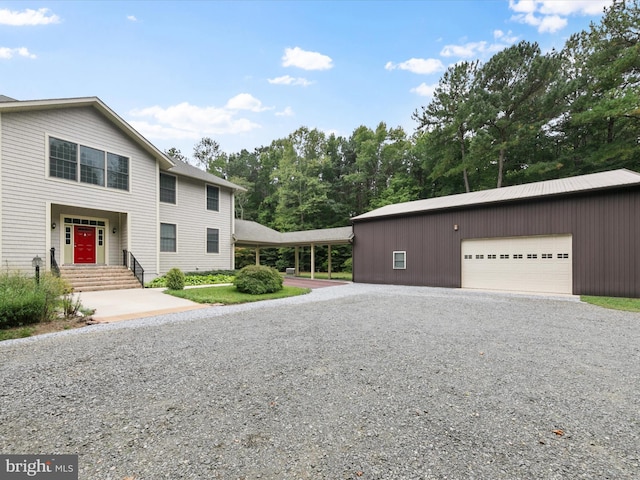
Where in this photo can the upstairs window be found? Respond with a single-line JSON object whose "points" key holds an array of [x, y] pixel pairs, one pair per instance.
{"points": [[63, 159], [117, 171], [167, 188], [91, 166], [95, 165], [213, 198]]}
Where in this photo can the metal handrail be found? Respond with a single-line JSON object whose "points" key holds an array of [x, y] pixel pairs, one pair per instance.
{"points": [[130, 261], [54, 265]]}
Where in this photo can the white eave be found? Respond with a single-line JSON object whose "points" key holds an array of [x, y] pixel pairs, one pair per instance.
{"points": [[52, 104], [548, 188]]}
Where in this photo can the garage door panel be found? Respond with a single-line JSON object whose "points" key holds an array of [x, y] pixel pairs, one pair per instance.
{"points": [[529, 264]]}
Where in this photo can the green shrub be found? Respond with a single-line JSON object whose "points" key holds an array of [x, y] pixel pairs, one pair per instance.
{"points": [[197, 278], [23, 302], [257, 279], [347, 266], [175, 279]]}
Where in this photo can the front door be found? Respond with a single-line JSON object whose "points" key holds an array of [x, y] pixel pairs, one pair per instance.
{"points": [[84, 244]]}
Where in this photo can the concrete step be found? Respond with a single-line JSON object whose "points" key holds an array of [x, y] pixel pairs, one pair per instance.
{"points": [[97, 278]]}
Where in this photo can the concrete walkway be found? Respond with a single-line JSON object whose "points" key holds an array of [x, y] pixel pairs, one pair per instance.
{"points": [[116, 305]]}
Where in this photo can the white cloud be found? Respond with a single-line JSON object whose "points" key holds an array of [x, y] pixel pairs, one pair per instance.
{"points": [[296, 57], [245, 101], [26, 17], [8, 53], [132, 18], [287, 112], [508, 37], [550, 15], [186, 121], [423, 66], [425, 90], [468, 50], [289, 80], [480, 49]]}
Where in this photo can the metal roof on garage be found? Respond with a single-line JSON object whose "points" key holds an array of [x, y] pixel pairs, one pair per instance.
{"points": [[248, 233], [582, 183]]}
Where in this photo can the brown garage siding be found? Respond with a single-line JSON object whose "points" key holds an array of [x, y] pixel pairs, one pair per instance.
{"points": [[605, 228]]}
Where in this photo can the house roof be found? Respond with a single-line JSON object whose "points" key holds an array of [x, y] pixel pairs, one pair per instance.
{"points": [[184, 169], [248, 233], [563, 186], [53, 104], [178, 167]]}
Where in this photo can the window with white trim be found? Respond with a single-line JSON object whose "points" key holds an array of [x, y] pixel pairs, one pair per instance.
{"points": [[213, 240], [64, 158], [168, 238], [213, 198], [399, 260], [167, 188]]}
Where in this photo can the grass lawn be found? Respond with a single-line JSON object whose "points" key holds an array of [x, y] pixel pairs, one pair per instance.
{"points": [[229, 295], [42, 327], [615, 303]]}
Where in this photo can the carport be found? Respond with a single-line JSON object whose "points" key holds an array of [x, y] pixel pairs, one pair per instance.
{"points": [[254, 235]]}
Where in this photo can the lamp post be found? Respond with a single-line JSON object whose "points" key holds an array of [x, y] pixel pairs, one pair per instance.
{"points": [[37, 263]]}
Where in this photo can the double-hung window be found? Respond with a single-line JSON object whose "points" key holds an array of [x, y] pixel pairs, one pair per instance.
{"points": [[95, 165], [213, 198], [168, 238], [167, 188], [213, 240], [399, 260]]}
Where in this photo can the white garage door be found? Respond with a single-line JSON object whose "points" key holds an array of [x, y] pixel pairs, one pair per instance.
{"points": [[526, 264]]}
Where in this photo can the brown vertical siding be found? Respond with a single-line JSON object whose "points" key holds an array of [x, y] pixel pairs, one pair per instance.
{"points": [[605, 227]]}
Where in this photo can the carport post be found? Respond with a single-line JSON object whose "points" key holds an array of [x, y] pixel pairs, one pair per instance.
{"points": [[257, 255], [313, 261], [297, 255], [329, 262]]}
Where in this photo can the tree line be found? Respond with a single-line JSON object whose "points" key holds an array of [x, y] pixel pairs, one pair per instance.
{"points": [[522, 116]]}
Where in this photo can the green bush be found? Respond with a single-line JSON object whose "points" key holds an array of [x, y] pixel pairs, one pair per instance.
{"points": [[197, 278], [347, 266], [175, 279], [23, 302], [257, 279]]}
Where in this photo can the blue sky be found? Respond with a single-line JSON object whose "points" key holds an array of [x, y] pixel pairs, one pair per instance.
{"points": [[248, 72]]}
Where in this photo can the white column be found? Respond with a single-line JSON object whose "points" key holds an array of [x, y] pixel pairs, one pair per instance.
{"points": [[313, 261]]}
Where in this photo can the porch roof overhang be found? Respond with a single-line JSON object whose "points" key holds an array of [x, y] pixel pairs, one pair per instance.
{"points": [[253, 234]]}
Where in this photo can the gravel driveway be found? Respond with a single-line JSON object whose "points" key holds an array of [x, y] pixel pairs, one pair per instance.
{"points": [[349, 382]]}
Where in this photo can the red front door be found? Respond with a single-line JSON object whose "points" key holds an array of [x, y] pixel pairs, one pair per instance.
{"points": [[84, 244]]}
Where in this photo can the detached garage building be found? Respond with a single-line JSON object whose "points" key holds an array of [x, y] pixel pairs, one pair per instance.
{"points": [[577, 235]]}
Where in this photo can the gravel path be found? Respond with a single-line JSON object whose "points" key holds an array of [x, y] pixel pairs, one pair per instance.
{"points": [[348, 382]]}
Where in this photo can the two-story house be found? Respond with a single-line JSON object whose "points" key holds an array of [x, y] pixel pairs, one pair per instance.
{"points": [[77, 181]]}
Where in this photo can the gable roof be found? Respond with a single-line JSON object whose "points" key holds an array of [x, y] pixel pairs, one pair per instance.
{"points": [[186, 170], [250, 233], [10, 105], [548, 188]]}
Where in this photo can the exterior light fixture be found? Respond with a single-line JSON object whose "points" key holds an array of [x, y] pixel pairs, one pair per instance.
{"points": [[53, 226], [114, 230], [455, 227]]}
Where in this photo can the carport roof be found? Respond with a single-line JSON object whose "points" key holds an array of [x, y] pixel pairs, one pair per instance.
{"points": [[248, 233], [582, 183]]}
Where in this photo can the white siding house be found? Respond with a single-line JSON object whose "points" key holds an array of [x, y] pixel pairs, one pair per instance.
{"points": [[76, 178]]}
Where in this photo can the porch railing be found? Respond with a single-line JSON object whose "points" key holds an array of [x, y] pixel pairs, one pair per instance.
{"points": [[129, 261], [54, 265]]}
